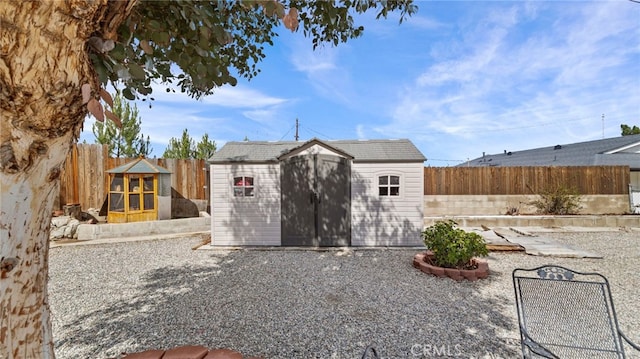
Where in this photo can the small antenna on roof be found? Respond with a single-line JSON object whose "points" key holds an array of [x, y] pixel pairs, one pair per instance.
{"points": [[296, 130]]}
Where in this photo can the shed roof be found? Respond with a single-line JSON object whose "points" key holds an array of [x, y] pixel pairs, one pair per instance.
{"points": [[401, 150], [616, 151], [140, 165]]}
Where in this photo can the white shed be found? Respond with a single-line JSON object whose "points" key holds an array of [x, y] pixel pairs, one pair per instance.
{"points": [[317, 193]]}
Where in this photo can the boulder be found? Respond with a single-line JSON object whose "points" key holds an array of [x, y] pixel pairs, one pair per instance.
{"points": [[57, 233], [57, 222]]}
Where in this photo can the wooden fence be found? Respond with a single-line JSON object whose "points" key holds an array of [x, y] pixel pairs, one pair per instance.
{"points": [[525, 180], [84, 179]]}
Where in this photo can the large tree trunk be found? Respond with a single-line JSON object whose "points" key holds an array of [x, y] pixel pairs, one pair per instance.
{"points": [[43, 64]]}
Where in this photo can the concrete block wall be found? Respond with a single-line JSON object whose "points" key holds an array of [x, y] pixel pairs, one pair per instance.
{"points": [[541, 221], [482, 205], [148, 228]]}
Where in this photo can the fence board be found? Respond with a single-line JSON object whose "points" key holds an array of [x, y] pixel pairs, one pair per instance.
{"points": [[84, 174], [525, 180], [84, 179]]}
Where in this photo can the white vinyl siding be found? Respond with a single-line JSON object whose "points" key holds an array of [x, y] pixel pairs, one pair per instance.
{"points": [[386, 220], [245, 221]]}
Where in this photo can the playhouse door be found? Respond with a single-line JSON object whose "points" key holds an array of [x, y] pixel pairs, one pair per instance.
{"points": [[316, 201]]}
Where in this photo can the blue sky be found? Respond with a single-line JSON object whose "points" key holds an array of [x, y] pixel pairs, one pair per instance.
{"points": [[457, 79]]}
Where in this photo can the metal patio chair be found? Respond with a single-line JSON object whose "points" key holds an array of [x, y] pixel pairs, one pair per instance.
{"points": [[566, 314]]}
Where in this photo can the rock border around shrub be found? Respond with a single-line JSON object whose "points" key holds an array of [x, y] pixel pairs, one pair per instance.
{"points": [[420, 261]]}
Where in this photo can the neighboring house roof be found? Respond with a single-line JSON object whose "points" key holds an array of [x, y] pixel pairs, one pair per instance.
{"points": [[616, 151], [360, 150], [140, 165]]}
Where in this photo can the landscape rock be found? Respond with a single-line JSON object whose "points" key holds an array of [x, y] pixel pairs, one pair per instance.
{"points": [[64, 227], [56, 233], [71, 228], [58, 222]]}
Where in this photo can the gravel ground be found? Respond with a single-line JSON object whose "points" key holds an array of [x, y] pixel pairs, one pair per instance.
{"points": [[128, 297]]}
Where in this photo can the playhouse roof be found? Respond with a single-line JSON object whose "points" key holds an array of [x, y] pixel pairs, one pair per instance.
{"points": [[401, 150], [140, 165]]}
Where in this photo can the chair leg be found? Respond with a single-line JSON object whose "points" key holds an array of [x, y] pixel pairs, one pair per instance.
{"points": [[632, 344], [374, 353]]}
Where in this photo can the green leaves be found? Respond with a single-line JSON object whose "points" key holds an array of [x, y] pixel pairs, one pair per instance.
{"points": [[628, 130], [137, 71], [122, 132], [186, 148], [154, 25], [200, 43], [205, 148], [452, 247], [161, 38], [128, 94], [560, 200]]}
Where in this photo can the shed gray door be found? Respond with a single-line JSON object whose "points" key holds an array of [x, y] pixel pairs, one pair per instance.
{"points": [[316, 201]]}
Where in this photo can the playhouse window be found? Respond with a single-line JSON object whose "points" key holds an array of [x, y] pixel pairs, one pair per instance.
{"points": [[243, 186], [116, 195], [388, 185]]}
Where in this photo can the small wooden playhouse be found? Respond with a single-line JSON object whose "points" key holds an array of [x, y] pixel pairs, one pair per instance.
{"points": [[139, 191], [317, 193]]}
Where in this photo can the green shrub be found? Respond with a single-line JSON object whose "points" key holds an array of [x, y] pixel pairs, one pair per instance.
{"points": [[561, 200], [452, 247]]}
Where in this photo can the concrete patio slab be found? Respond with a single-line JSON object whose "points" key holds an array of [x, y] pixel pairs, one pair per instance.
{"points": [[541, 245]]}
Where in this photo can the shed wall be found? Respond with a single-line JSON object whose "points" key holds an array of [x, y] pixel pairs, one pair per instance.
{"points": [[248, 221], [386, 221]]}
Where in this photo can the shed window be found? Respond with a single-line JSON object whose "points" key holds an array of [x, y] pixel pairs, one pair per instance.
{"points": [[388, 185], [243, 186]]}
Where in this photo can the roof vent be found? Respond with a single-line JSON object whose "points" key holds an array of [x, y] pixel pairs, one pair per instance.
{"points": [[509, 153], [557, 147]]}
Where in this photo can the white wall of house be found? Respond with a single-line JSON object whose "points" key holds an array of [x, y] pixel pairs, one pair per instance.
{"points": [[245, 221], [386, 221]]}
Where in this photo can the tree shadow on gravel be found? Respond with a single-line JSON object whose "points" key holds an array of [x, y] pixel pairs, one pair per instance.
{"points": [[303, 304]]}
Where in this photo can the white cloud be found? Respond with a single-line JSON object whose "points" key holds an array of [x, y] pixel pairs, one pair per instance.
{"points": [[520, 76], [233, 111], [360, 132], [424, 22], [459, 79], [242, 98], [262, 115], [306, 60], [226, 96], [322, 69]]}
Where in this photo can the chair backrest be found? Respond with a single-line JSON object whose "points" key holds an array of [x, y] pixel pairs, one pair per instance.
{"points": [[568, 313]]}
